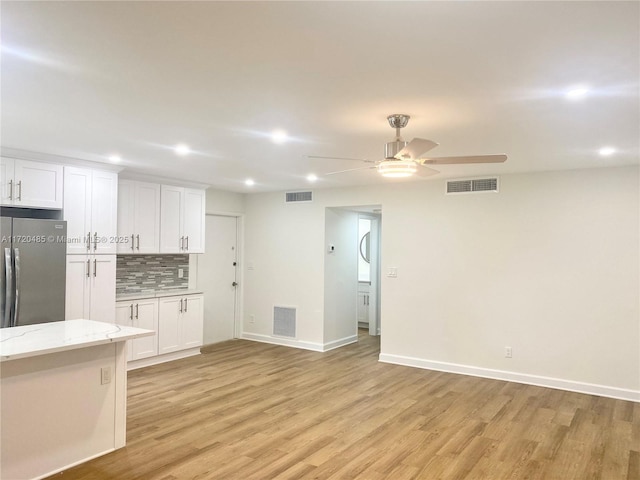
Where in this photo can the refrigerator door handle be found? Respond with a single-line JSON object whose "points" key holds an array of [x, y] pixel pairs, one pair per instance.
{"points": [[8, 271], [16, 310]]}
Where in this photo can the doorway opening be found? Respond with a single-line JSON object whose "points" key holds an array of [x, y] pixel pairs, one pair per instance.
{"points": [[352, 275]]}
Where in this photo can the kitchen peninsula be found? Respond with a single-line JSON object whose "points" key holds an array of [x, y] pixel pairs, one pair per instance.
{"points": [[63, 394]]}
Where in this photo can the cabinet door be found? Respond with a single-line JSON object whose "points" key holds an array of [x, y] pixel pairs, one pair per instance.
{"points": [[171, 208], [191, 327], [123, 317], [77, 287], [193, 223], [37, 184], [126, 189], [169, 324], [77, 208], [104, 211], [145, 315], [147, 217], [6, 181], [103, 288]]}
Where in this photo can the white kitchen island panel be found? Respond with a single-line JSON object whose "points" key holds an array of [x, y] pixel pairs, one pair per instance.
{"points": [[56, 407]]}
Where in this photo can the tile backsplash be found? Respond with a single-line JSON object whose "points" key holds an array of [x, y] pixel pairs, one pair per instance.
{"points": [[150, 273]]}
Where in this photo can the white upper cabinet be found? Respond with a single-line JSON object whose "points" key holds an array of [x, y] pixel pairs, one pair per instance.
{"points": [[30, 184], [90, 209], [182, 214], [138, 217]]}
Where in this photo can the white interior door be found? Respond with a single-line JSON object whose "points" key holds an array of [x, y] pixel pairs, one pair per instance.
{"points": [[216, 278]]}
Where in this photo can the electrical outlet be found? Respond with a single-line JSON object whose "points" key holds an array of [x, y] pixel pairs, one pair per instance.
{"points": [[181, 273], [252, 318], [105, 375], [508, 353]]}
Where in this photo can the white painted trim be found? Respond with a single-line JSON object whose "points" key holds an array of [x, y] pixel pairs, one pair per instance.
{"points": [[540, 381], [285, 342], [341, 342], [167, 357]]}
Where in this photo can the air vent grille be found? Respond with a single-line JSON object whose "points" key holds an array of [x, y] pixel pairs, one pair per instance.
{"points": [[473, 185], [298, 197], [284, 321]]}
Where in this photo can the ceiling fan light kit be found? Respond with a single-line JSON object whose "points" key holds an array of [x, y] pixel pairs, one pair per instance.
{"points": [[393, 168]]}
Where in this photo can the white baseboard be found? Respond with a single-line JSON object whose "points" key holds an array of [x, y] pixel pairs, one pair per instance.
{"points": [[289, 342], [167, 357], [549, 382], [339, 343]]}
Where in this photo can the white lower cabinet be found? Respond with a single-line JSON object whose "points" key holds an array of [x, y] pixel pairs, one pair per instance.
{"points": [[180, 323], [140, 314], [91, 287], [177, 320]]}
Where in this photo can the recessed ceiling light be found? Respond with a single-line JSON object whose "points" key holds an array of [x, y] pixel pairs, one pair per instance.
{"points": [[607, 151], [312, 177], [182, 149], [249, 182], [115, 158], [279, 136], [576, 93]]}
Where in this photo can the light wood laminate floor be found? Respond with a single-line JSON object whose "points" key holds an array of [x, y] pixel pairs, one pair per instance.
{"points": [[246, 410]]}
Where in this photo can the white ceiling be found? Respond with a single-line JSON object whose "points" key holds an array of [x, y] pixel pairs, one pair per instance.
{"points": [[90, 79]]}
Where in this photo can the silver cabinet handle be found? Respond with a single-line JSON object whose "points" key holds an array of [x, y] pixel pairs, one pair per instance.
{"points": [[131, 312], [89, 242], [138, 242], [19, 197], [136, 310], [95, 241], [132, 243], [181, 305], [95, 267], [8, 272], [181, 243], [187, 237], [88, 268], [10, 189], [16, 310], [186, 302]]}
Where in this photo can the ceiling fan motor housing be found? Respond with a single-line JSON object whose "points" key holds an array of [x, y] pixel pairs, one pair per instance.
{"points": [[392, 148]]}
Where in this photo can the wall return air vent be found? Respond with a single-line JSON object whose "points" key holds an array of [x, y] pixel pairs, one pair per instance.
{"points": [[297, 197], [472, 185], [284, 321]]}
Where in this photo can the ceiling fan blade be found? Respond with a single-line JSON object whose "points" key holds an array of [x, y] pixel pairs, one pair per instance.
{"points": [[349, 170], [341, 158], [424, 171], [416, 148], [469, 159]]}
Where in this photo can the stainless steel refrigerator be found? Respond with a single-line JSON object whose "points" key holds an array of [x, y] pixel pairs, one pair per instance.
{"points": [[33, 270]]}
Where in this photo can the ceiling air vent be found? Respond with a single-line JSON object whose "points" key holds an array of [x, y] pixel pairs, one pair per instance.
{"points": [[298, 197], [473, 185]]}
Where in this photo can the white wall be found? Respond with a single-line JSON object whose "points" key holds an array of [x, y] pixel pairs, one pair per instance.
{"points": [[220, 202], [340, 277], [548, 266]]}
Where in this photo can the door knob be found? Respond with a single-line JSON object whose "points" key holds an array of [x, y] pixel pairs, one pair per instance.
{"points": [[234, 284]]}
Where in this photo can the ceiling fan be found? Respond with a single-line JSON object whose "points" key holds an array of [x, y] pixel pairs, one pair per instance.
{"points": [[403, 159]]}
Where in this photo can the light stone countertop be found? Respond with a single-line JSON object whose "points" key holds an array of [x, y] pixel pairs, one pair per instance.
{"points": [[157, 294], [42, 338]]}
